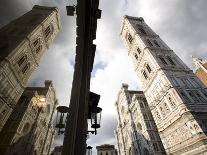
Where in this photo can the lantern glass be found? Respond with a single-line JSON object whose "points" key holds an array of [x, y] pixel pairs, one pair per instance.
{"points": [[62, 112], [96, 117], [89, 150]]}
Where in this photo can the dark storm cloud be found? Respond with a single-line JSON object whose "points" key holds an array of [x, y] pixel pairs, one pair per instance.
{"points": [[182, 25], [10, 9]]}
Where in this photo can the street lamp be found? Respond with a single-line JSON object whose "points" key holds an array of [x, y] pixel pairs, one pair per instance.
{"points": [[62, 112], [39, 101], [89, 150], [95, 119]]}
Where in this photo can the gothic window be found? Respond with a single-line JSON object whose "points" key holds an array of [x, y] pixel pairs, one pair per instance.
{"points": [[36, 42], [157, 115], [148, 125], [162, 111], [145, 75], [156, 43], [142, 30], [193, 96], [136, 56], [149, 42], [139, 126], [145, 116], [172, 103], [194, 82], [138, 50], [151, 134], [184, 96], [141, 105], [25, 68], [48, 31], [26, 128], [166, 107], [39, 48], [170, 60], [130, 39], [148, 68], [146, 152], [22, 60], [155, 146], [163, 60], [199, 96], [174, 81]]}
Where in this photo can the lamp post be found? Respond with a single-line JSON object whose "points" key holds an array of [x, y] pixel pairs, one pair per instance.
{"points": [[96, 118], [89, 150], [62, 112]]}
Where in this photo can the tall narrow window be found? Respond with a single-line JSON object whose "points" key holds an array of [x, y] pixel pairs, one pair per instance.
{"points": [[130, 39], [138, 50], [163, 60], [148, 68], [185, 97], [142, 30], [193, 96], [36, 42], [156, 43], [155, 146], [149, 42], [39, 48], [199, 96], [148, 125], [172, 103], [47, 31], [170, 60], [25, 68], [22, 60], [145, 75], [136, 56]]}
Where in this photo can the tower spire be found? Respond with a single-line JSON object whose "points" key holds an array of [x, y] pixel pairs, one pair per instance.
{"points": [[199, 63]]}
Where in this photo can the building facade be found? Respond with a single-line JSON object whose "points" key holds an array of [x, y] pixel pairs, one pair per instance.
{"points": [[22, 44], [29, 129], [201, 69], [136, 133], [176, 97], [106, 149]]}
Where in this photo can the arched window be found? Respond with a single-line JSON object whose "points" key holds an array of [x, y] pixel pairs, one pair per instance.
{"points": [[22, 60], [142, 30], [136, 56], [48, 31], [172, 103], [145, 151], [36, 42], [149, 42], [145, 75], [139, 126], [170, 60], [106, 153], [148, 68], [39, 48], [26, 127], [138, 50], [163, 60], [25, 68], [130, 39], [156, 43]]}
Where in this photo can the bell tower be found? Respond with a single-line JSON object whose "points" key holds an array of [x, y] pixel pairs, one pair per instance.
{"points": [[177, 99], [22, 44]]}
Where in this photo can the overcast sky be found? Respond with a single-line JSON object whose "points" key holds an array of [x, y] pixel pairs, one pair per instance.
{"points": [[180, 23]]}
